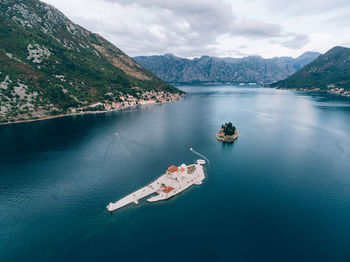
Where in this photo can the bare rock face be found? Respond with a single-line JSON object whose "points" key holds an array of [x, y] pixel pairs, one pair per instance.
{"points": [[36, 53], [208, 69], [49, 65]]}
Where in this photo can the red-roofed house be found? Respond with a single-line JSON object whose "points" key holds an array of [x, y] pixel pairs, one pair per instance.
{"points": [[167, 189], [172, 169]]}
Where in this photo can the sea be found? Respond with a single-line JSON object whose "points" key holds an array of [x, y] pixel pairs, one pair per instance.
{"points": [[281, 192]]}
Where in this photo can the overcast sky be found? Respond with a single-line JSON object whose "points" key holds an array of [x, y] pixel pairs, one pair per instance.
{"points": [[191, 28]]}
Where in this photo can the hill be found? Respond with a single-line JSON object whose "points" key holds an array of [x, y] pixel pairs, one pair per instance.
{"points": [[49, 65], [208, 70], [328, 73]]}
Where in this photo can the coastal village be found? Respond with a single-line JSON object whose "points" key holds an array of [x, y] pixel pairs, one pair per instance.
{"points": [[331, 89], [115, 102], [127, 100]]}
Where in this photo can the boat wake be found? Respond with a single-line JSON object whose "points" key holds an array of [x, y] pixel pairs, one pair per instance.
{"points": [[115, 140], [118, 137], [195, 152], [132, 141]]}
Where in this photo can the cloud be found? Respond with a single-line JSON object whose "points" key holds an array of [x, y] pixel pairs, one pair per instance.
{"points": [[159, 26], [304, 7], [199, 16], [256, 29], [206, 27], [297, 41], [208, 17], [187, 28]]}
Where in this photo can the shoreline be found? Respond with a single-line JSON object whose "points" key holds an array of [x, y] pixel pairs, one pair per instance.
{"points": [[329, 93], [228, 138], [47, 117]]}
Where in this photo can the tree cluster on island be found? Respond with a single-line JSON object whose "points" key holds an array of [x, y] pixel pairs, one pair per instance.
{"points": [[228, 129]]}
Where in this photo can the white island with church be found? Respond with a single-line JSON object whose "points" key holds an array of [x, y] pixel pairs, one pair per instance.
{"points": [[174, 181]]}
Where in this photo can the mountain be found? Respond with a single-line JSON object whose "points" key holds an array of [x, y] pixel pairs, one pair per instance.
{"points": [[49, 65], [328, 73], [208, 69]]}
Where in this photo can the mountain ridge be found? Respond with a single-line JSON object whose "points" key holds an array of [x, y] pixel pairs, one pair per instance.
{"points": [[208, 69], [328, 73], [50, 65]]}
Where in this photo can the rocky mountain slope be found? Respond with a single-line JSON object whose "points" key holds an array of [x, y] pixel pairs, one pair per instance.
{"points": [[328, 73], [49, 65], [208, 69]]}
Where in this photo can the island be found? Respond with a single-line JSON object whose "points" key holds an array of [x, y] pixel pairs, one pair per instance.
{"points": [[228, 133], [174, 181]]}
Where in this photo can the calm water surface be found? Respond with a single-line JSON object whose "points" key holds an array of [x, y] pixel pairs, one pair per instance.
{"points": [[279, 193]]}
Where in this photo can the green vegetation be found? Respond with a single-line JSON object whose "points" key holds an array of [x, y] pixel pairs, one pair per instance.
{"points": [[74, 68], [331, 70], [228, 129]]}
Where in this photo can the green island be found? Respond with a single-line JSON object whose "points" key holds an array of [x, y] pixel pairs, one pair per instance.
{"points": [[228, 133]]}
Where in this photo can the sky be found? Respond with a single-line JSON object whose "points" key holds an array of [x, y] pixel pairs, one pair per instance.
{"points": [[222, 28]]}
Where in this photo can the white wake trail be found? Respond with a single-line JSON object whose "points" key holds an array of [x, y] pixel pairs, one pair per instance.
{"points": [[195, 152], [115, 139], [117, 135]]}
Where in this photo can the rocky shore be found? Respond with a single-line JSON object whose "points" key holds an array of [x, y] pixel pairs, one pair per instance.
{"points": [[227, 138], [332, 91], [126, 102]]}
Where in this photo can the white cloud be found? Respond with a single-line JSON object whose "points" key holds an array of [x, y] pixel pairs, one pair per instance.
{"points": [[256, 29], [213, 27], [297, 41]]}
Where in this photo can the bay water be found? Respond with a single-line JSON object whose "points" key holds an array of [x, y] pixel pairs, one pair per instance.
{"points": [[281, 192]]}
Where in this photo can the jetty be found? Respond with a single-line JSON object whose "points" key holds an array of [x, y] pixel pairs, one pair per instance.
{"points": [[174, 181]]}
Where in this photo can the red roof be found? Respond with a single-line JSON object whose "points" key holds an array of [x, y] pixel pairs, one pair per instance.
{"points": [[173, 169], [168, 189]]}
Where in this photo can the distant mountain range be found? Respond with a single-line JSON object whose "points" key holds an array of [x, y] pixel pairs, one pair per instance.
{"points": [[328, 73], [214, 70], [49, 65]]}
